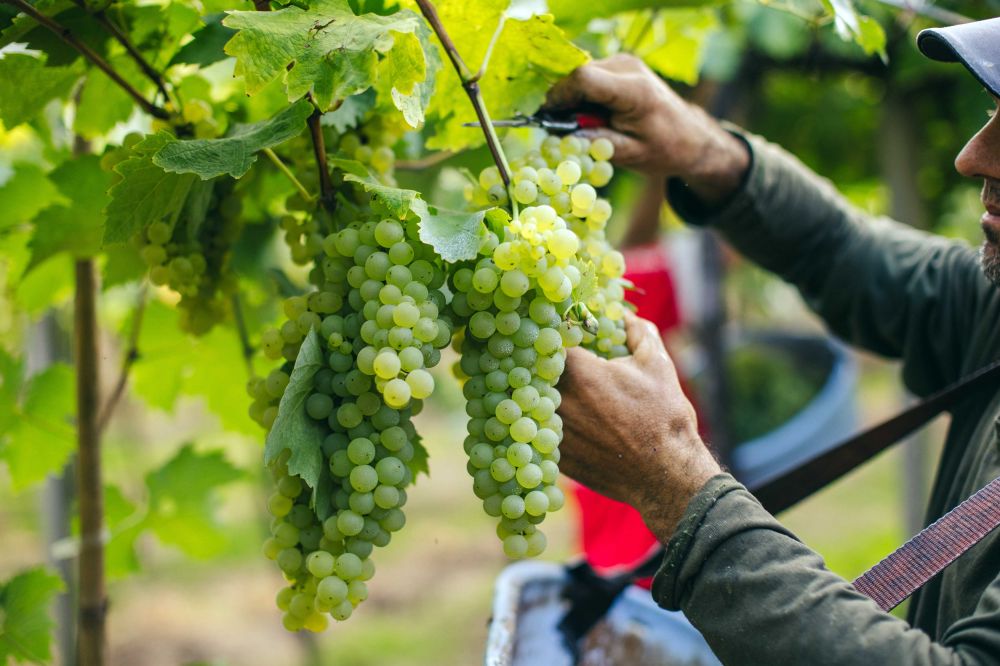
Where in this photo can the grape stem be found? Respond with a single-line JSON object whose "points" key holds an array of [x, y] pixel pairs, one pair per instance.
{"points": [[92, 602], [470, 83], [425, 162], [283, 168], [102, 18], [128, 360], [319, 149], [241, 330], [67, 36]]}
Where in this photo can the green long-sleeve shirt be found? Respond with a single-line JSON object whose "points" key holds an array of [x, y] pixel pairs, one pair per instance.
{"points": [[758, 594]]}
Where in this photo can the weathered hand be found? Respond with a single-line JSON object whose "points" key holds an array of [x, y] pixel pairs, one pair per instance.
{"points": [[653, 130], [630, 433]]}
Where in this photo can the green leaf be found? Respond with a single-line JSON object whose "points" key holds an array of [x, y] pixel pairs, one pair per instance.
{"points": [[25, 626], [871, 36], [454, 235], [675, 44], [125, 525], [37, 438], [349, 114], [295, 430], [146, 193], [528, 58], [233, 155], [103, 103], [25, 194], [27, 85], [171, 365], [182, 500], [77, 226], [326, 50], [418, 464], [207, 45], [396, 201], [581, 13]]}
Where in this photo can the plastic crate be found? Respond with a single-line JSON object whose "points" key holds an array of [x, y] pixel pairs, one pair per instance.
{"points": [[527, 608]]}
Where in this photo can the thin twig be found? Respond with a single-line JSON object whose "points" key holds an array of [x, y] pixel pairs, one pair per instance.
{"points": [[283, 168], [241, 329], [130, 48], [424, 162], [319, 150], [91, 599], [489, 48], [131, 356], [67, 36], [471, 87]]}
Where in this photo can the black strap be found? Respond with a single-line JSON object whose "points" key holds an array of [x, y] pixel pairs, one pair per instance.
{"points": [[591, 595]]}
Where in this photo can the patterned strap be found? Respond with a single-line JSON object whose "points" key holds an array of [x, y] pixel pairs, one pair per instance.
{"points": [[921, 558]]}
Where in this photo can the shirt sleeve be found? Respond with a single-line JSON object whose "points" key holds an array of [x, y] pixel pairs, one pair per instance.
{"points": [[760, 596], [877, 283]]}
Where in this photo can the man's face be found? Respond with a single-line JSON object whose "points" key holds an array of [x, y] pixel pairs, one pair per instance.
{"points": [[981, 159]]}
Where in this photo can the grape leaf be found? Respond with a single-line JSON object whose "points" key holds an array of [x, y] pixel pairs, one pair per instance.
{"points": [[207, 45], [454, 235], [170, 365], [76, 227], [418, 463], [121, 517], [348, 114], [326, 50], [146, 193], [27, 85], [27, 192], [182, 498], [25, 625], [396, 201], [235, 154], [572, 12], [103, 103], [528, 58], [36, 437], [295, 430], [675, 44]]}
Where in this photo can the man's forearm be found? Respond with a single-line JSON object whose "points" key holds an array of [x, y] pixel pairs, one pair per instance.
{"points": [[760, 596]]}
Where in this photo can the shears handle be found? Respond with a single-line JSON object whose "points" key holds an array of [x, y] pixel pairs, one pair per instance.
{"points": [[586, 120]]}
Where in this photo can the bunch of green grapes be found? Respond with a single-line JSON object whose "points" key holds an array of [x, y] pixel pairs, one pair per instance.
{"points": [[191, 257], [552, 282], [565, 173], [378, 310]]}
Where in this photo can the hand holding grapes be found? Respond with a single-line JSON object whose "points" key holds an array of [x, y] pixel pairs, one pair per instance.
{"points": [[630, 433], [652, 129]]}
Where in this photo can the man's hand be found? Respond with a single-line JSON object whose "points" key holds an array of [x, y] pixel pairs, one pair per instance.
{"points": [[653, 130], [630, 433]]}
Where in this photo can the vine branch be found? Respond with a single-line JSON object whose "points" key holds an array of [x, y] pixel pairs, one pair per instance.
{"points": [[241, 329], [102, 18], [92, 602], [131, 356], [425, 162], [470, 83], [67, 36], [319, 150]]}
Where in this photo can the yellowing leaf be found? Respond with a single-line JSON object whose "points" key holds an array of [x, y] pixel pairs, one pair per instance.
{"points": [[528, 58]]}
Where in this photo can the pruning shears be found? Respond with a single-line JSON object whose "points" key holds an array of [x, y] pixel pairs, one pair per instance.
{"points": [[553, 123]]}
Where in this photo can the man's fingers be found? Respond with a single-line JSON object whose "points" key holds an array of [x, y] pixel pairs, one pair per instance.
{"points": [[590, 83], [643, 338], [628, 151]]}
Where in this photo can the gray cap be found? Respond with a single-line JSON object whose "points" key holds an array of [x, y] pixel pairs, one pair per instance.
{"points": [[976, 45]]}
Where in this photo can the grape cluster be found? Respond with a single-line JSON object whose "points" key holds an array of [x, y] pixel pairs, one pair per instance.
{"points": [[378, 311], [192, 259], [565, 173], [531, 295]]}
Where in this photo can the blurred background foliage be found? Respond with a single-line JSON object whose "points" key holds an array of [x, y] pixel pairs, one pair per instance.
{"points": [[188, 584]]}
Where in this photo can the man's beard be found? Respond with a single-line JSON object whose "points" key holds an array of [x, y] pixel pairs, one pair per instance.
{"points": [[989, 259]]}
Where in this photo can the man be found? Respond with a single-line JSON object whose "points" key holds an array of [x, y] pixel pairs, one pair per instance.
{"points": [[757, 594]]}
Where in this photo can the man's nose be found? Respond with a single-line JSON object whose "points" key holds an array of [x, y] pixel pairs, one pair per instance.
{"points": [[980, 158]]}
